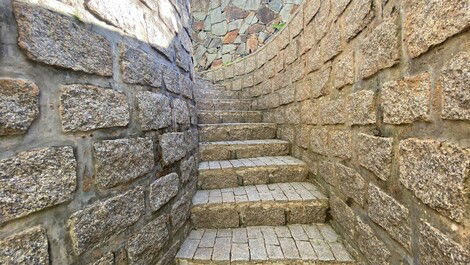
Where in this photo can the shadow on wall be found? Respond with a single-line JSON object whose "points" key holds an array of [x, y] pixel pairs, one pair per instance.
{"points": [[97, 132]]}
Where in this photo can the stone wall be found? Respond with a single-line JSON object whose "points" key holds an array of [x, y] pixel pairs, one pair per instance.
{"points": [[97, 131], [375, 96], [223, 31]]}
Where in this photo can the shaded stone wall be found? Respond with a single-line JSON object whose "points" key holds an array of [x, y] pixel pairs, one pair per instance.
{"points": [[225, 30], [375, 96], [97, 131]]}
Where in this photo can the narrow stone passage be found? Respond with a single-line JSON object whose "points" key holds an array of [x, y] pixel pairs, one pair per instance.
{"points": [[254, 203]]}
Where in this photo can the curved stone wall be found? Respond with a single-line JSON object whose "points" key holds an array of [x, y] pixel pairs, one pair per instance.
{"points": [[226, 30], [97, 131], [375, 96]]}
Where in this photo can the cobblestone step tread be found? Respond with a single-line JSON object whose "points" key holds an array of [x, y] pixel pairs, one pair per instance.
{"points": [[225, 150], [291, 244], [264, 204], [236, 131], [229, 116], [250, 171]]}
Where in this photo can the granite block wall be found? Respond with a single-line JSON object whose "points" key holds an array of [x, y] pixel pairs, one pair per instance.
{"points": [[97, 131], [375, 97]]}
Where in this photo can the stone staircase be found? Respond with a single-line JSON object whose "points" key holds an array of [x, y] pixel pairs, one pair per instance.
{"points": [[254, 204]]}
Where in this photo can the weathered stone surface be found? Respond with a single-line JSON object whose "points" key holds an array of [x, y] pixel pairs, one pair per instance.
{"points": [[427, 23], [407, 100], [122, 160], [180, 212], [173, 147], [154, 110], [162, 190], [19, 105], [27, 247], [379, 50], [340, 143], [85, 108], [36, 179], [358, 15], [436, 248], [344, 215], [391, 215], [435, 172], [147, 243], [188, 169], [332, 111], [265, 15], [140, 67], [343, 70], [375, 154], [319, 81], [56, 39], [100, 221], [330, 45], [319, 141], [181, 111], [171, 77], [373, 248], [233, 13], [362, 107], [454, 80], [107, 259], [352, 184]]}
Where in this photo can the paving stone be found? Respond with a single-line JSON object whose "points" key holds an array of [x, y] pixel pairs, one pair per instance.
{"points": [[19, 105], [100, 221], [85, 108], [363, 109], [122, 160], [154, 110], [162, 190], [429, 23], [213, 117], [379, 50], [237, 131], [140, 67], [36, 179], [375, 154], [56, 39], [407, 100], [435, 172], [226, 150], [27, 247]]}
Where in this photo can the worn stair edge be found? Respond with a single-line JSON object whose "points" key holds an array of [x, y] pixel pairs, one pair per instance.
{"points": [[226, 150], [292, 244], [233, 116], [271, 204], [236, 131]]}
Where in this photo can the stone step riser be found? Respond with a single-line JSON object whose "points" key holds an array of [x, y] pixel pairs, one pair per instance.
{"points": [[223, 105], [216, 94], [233, 177], [212, 117], [234, 132], [211, 152]]}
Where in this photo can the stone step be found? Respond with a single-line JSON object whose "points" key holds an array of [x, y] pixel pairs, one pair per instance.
{"points": [[225, 150], [218, 116], [215, 94], [250, 171], [223, 104], [292, 244], [236, 131], [271, 204]]}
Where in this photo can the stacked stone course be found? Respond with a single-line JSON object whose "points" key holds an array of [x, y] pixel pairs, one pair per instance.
{"points": [[373, 95], [97, 131]]}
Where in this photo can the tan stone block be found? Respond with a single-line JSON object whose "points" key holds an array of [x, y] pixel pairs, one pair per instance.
{"points": [[343, 70], [319, 141], [306, 213], [340, 143], [362, 107], [27, 247], [375, 154], [262, 214], [215, 217], [374, 249], [357, 16], [351, 183]]}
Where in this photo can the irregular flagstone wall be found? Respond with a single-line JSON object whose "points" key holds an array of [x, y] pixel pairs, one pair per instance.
{"points": [[223, 31], [374, 96], [97, 131]]}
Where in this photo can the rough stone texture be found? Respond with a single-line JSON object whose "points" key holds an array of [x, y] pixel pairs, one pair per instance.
{"points": [[343, 69], [435, 172], [162, 190], [319, 141], [171, 77], [36, 179], [107, 259], [171, 144], [85, 108], [407, 100], [375, 154], [437, 248], [453, 81], [181, 111], [19, 105], [379, 50], [391, 215], [27, 247], [374, 249], [147, 242], [357, 16], [188, 169], [340, 143], [139, 67], [180, 212], [344, 215], [122, 160], [154, 110], [351, 183], [427, 23], [56, 39], [362, 107], [100, 221]]}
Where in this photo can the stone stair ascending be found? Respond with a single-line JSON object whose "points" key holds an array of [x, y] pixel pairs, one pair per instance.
{"points": [[254, 204]]}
